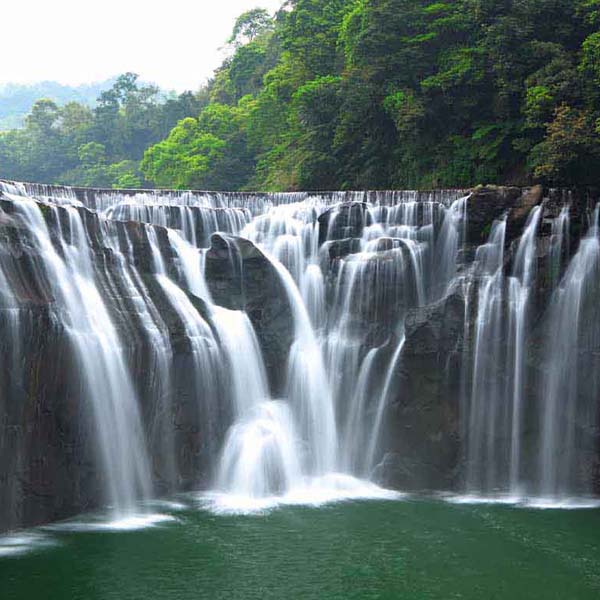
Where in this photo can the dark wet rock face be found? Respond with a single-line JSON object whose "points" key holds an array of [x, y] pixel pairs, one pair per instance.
{"points": [[488, 203], [423, 443], [422, 426], [48, 469], [240, 277], [336, 249], [344, 221], [48, 457]]}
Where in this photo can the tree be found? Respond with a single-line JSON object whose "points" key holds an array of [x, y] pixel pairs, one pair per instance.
{"points": [[570, 152], [73, 144], [210, 152], [44, 117], [184, 158], [249, 25]]}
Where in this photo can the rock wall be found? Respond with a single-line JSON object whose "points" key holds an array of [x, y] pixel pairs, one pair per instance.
{"points": [[48, 459], [424, 437], [47, 465], [240, 277]]}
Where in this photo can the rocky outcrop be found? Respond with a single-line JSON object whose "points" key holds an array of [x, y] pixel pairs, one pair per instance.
{"points": [[488, 203], [424, 441], [422, 422], [48, 458], [240, 277], [336, 249], [47, 466], [347, 220]]}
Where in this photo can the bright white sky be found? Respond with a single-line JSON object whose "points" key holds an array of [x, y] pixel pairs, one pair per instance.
{"points": [[174, 43]]}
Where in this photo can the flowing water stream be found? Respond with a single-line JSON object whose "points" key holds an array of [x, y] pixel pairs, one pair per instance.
{"points": [[354, 269]]}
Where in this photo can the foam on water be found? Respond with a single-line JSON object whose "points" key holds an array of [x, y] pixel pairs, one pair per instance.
{"points": [[562, 504], [507, 499], [21, 543], [314, 491], [523, 501], [132, 522], [170, 505]]}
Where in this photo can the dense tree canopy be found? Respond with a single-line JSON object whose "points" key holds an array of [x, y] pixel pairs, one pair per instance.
{"points": [[350, 94], [76, 145], [412, 93]]}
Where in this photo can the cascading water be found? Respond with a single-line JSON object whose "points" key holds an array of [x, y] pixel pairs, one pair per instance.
{"points": [[560, 245], [276, 446], [128, 285], [487, 393], [387, 276], [308, 389], [98, 350], [570, 384], [260, 457], [206, 355], [519, 299], [502, 326]]}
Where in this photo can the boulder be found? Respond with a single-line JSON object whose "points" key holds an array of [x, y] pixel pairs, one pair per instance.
{"points": [[346, 220], [488, 203], [241, 277]]}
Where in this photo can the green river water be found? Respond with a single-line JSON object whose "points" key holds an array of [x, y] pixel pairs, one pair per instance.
{"points": [[406, 549]]}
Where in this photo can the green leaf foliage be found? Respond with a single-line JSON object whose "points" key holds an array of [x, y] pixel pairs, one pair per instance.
{"points": [[349, 94]]}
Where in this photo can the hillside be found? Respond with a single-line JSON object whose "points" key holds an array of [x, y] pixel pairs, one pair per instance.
{"points": [[349, 94], [16, 100]]}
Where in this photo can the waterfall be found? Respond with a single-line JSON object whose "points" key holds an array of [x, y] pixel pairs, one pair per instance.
{"points": [[519, 292], [282, 446], [205, 351], [487, 399], [383, 399], [308, 389], [354, 438], [569, 389], [260, 455], [106, 382], [451, 236], [160, 432], [559, 240], [173, 365], [501, 331]]}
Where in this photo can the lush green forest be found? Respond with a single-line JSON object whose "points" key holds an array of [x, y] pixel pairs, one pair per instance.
{"points": [[101, 146], [338, 94]]}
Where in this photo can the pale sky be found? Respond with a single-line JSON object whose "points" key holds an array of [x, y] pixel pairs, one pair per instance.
{"points": [[174, 43]]}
